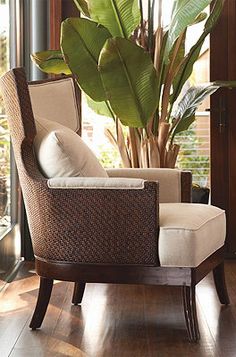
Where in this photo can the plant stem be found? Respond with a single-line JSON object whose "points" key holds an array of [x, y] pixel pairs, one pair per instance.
{"points": [[141, 11], [142, 26], [156, 123], [149, 23], [151, 6], [169, 79]]}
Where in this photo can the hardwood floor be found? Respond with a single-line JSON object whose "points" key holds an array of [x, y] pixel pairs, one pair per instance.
{"points": [[115, 320]]}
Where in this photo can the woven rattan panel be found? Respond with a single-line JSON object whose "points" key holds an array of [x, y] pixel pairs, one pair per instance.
{"points": [[87, 226]]}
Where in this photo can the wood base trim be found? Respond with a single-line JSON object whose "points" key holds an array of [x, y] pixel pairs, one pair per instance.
{"points": [[114, 274], [128, 274]]}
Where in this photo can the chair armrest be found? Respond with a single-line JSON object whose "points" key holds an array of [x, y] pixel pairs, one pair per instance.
{"points": [[175, 185], [99, 225], [95, 183]]}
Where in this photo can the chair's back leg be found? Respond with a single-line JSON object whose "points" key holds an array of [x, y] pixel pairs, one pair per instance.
{"points": [[190, 313], [44, 294], [219, 279], [78, 293]]}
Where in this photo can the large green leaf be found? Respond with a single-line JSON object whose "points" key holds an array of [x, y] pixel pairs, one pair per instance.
{"points": [[184, 14], [130, 81], [50, 62], [120, 17], [101, 108], [82, 7], [192, 99], [81, 43], [187, 67]]}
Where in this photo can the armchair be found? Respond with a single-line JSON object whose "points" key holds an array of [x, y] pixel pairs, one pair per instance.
{"points": [[109, 229]]}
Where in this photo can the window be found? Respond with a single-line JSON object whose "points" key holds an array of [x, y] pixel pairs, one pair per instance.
{"points": [[10, 239], [5, 162], [195, 143]]}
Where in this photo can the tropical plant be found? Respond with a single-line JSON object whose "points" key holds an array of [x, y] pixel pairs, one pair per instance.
{"points": [[135, 73]]}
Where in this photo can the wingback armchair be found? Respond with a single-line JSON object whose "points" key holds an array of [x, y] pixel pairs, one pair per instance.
{"points": [[121, 226]]}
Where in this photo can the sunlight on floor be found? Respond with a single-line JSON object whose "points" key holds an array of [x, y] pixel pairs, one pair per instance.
{"points": [[94, 318], [23, 296], [63, 348]]}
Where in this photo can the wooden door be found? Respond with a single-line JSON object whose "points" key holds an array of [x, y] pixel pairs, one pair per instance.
{"points": [[59, 11], [223, 121]]}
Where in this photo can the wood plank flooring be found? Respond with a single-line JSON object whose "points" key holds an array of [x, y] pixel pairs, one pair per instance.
{"points": [[115, 320]]}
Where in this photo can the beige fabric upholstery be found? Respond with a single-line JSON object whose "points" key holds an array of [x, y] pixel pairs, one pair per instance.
{"points": [[95, 183], [189, 233], [62, 152], [169, 180], [56, 101]]}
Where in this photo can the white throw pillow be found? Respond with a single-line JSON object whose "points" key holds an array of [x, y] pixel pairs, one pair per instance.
{"points": [[62, 153]]}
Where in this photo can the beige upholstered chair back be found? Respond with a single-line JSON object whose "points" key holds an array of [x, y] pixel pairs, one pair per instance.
{"points": [[56, 100]]}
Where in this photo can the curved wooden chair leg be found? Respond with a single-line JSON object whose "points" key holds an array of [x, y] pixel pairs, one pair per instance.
{"points": [[190, 312], [44, 294], [78, 293], [219, 279]]}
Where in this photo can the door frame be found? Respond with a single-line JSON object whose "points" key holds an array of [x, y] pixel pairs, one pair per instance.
{"points": [[223, 124]]}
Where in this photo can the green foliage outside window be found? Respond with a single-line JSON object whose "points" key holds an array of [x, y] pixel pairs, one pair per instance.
{"points": [[4, 132]]}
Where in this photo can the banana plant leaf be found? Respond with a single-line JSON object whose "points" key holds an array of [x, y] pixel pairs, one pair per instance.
{"points": [[82, 7], [120, 17], [51, 62], [81, 43], [130, 80], [179, 57], [187, 66], [192, 99], [201, 17], [101, 108], [184, 14]]}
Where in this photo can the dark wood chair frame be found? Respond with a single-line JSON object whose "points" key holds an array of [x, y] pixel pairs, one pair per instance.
{"points": [[82, 273]]}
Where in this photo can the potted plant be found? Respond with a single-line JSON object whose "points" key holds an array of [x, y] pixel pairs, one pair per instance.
{"points": [[135, 73]]}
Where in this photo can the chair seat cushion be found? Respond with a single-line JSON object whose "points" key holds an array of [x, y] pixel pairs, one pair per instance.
{"points": [[61, 152], [189, 233]]}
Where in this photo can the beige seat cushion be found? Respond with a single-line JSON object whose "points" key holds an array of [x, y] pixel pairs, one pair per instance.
{"points": [[61, 152], [189, 233]]}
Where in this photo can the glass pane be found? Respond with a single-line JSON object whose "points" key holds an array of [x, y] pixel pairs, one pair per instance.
{"points": [[93, 133], [5, 199], [195, 142]]}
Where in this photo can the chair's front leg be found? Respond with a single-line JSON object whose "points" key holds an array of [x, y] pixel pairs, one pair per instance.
{"points": [[219, 279], [190, 312], [44, 294], [78, 293]]}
